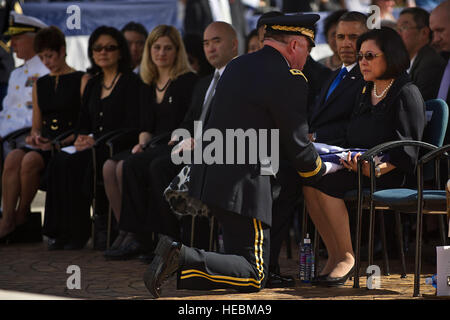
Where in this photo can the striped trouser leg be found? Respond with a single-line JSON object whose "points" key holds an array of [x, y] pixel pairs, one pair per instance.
{"points": [[244, 265]]}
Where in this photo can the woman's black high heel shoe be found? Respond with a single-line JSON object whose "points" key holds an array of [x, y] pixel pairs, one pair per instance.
{"points": [[338, 281]]}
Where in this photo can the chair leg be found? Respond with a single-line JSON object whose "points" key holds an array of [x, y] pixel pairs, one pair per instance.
{"points": [[418, 262], [398, 223], [304, 221], [384, 243], [442, 229], [288, 244], [357, 249], [371, 236], [211, 233], [316, 252], [108, 230], [192, 231]]}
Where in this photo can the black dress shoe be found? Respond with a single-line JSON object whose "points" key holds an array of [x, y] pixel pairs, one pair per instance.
{"points": [[278, 281], [164, 265], [118, 241], [146, 258], [126, 251], [75, 245], [320, 280], [338, 281], [56, 244], [7, 238]]}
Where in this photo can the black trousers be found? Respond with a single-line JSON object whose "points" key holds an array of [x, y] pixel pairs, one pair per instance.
{"points": [[145, 177], [283, 209], [243, 266]]}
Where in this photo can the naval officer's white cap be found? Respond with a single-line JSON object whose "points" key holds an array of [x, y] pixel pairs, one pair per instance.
{"points": [[19, 23]]}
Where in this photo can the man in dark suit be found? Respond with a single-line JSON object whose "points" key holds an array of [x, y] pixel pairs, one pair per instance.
{"points": [[199, 14], [329, 118], [262, 90], [427, 66], [286, 204], [220, 45], [439, 24]]}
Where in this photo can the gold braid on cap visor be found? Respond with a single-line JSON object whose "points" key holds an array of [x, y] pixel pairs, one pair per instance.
{"points": [[304, 31], [16, 30]]}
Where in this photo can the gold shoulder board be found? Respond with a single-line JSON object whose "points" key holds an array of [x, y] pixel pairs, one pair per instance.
{"points": [[297, 72]]}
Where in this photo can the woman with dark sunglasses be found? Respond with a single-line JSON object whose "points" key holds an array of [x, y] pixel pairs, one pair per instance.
{"points": [[389, 108], [110, 102]]}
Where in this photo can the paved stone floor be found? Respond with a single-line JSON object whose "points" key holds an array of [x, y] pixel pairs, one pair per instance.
{"points": [[31, 268], [30, 271]]}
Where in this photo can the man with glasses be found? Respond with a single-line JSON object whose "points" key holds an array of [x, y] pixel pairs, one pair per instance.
{"points": [[427, 65], [330, 115]]}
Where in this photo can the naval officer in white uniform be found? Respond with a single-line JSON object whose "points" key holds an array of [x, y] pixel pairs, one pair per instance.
{"points": [[17, 105]]}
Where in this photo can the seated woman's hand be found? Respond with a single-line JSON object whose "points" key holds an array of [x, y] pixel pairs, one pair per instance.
{"points": [[185, 145], [43, 143], [84, 142], [352, 164], [137, 148], [31, 140]]}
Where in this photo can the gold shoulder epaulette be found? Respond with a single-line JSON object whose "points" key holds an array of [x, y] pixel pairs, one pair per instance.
{"points": [[297, 72], [4, 46]]}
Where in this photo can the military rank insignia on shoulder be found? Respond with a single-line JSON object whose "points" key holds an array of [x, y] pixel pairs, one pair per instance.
{"points": [[297, 72]]}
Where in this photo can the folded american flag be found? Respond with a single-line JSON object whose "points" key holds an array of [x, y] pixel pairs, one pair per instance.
{"points": [[331, 155]]}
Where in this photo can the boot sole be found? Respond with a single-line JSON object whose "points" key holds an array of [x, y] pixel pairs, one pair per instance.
{"points": [[159, 263]]}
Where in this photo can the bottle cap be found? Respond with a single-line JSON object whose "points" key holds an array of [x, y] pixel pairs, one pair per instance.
{"points": [[307, 240]]}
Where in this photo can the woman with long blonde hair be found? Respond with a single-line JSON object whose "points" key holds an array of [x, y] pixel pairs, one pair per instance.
{"points": [[165, 70]]}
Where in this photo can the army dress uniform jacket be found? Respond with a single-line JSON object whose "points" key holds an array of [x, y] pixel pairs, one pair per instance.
{"points": [[17, 105], [258, 91]]}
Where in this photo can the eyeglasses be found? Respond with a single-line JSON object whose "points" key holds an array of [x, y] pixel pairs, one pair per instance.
{"points": [[368, 55], [109, 48], [406, 28]]}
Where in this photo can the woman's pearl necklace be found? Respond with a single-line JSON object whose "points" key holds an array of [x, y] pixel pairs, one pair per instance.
{"points": [[374, 91]]}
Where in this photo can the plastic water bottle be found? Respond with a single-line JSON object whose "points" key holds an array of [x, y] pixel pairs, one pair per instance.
{"points": [[432, 280], [306, 261]]}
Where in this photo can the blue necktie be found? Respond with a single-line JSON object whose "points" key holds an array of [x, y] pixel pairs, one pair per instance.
{"points": [[336, 81]]}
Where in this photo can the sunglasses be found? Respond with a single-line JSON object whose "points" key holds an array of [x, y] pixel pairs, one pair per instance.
{"points": [[368, 55], [109, 48]]}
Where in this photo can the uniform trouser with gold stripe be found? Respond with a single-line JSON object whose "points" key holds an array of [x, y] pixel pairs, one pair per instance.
{"points": [[243, 266]]}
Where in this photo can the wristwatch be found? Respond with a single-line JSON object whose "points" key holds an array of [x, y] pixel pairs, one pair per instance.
{"points": [[377, 172]]}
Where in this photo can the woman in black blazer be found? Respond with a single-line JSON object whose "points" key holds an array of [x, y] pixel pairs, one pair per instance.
{"points": [[389, 108], [169, 85]]}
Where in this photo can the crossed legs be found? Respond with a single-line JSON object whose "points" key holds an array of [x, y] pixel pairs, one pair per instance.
{"points": [[330, 216], [20, 182]]}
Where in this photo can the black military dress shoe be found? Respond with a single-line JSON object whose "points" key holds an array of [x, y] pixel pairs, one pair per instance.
{"points": [[276, 280], [163, 266]]}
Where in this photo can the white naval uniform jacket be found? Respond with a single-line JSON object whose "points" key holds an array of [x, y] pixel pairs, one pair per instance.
{"points": [[17, 104]]}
